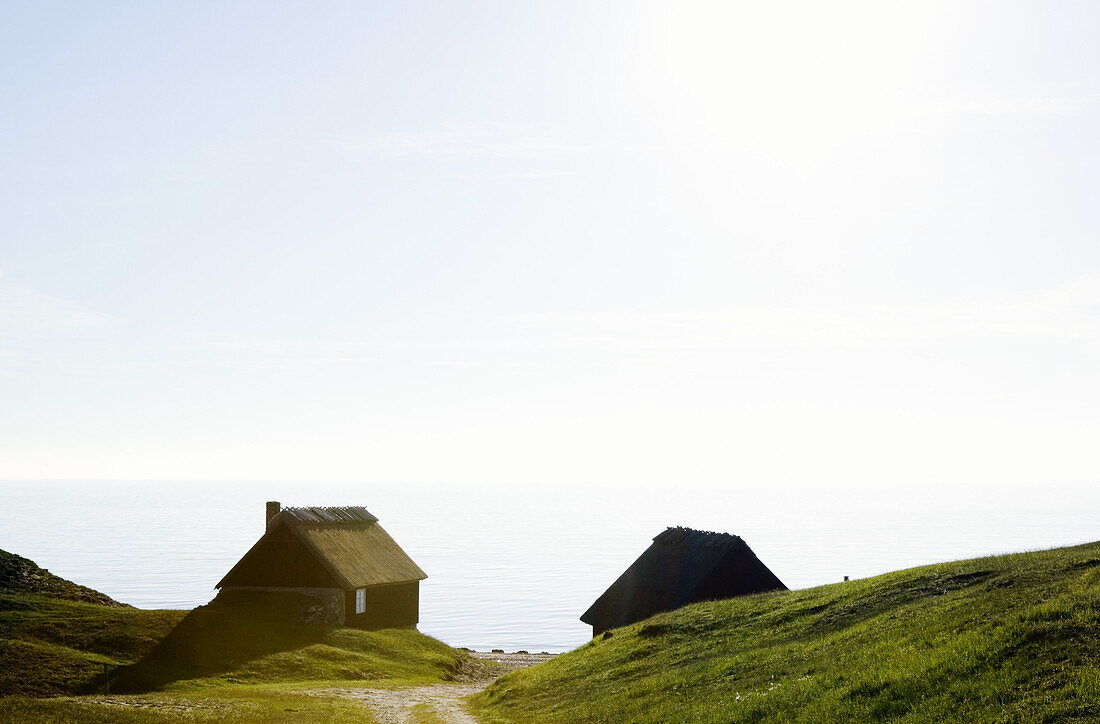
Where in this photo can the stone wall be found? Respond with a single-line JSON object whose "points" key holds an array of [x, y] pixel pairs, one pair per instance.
{"points": [[321, 607]]}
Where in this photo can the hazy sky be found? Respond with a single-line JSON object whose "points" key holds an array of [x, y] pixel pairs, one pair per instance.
{"points": [[756, 243]]}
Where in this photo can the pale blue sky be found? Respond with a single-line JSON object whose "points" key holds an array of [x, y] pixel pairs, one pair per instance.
{"points": [[551, 242]]}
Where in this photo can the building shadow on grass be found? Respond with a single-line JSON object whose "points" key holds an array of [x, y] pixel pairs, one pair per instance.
{"points": [[233, 629]]}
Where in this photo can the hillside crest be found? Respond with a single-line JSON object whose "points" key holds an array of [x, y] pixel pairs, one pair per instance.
{"points": [[21, 575]]}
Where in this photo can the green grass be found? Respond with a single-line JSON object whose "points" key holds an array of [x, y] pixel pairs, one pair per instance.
{"points": [[55, 648], [424, 714], [1004, 639], [52, 646], [21, 575], [241, 703], [253, 642], [347, 656]]}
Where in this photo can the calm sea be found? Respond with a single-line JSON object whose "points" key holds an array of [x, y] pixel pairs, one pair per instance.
{"points": [[513, 567]]}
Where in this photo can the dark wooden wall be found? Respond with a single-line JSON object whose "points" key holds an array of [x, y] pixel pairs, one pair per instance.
{"points": [[667, 577], [738, 576], [392, 606], [281, 560]]}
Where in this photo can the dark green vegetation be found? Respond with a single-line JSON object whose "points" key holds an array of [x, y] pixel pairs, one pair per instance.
{"points": [[51, 646], [20, 575], [1005, 639], [238, 662]]}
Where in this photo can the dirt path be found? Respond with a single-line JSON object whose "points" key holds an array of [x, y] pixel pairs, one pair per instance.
{"points": [[398, 705]]}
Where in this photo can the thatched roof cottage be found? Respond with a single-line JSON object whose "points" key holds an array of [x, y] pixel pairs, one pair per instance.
{"points": [[339, 555], [682, 566]]}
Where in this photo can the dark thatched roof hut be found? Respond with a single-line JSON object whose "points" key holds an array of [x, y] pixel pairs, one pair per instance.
{"points": [[340, 556], [682, 566]]}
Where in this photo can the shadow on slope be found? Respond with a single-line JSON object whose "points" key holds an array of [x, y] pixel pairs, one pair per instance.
{"points": [[233, 629]]}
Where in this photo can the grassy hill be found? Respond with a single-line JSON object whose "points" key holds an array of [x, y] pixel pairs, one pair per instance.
{"points": [[246, 637], [1005, 639], [52, 646], [21, 575], [55, 648], [238, 662]]}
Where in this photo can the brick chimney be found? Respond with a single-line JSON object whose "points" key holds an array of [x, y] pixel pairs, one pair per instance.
{"points": [[273, 509]]}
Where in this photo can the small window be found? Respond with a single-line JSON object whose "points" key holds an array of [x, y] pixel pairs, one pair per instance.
{"points": [[361, 600]]}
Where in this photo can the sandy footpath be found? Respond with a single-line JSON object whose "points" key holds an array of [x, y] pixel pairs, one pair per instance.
{"points": [[396, 705]]}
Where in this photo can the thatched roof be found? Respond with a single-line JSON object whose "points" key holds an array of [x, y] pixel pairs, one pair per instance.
{"points": [[682, 566], [360, 555], [347, 542], [318, 514]]}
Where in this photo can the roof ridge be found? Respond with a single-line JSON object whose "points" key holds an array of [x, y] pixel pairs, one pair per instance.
{"points": [[319, 507], [692, 538], [327, 514]]}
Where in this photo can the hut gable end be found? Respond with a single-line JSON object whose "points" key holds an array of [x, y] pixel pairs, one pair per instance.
{"points": [[280, 558], [682, 566]]}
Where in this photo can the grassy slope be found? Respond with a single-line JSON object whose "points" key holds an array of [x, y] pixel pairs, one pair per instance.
{"points": [[1005, 639], [247, 704], [344, 658], [21, 575], [50, 646]]}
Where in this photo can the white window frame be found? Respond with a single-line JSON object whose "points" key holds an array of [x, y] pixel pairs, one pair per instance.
{"points": [[360, 600]]}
